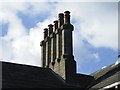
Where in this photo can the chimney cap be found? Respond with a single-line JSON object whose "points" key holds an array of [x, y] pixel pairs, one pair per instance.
{"points": [[61, 15], [55, 21], [45, 29], [50, 25], [67, 12]]}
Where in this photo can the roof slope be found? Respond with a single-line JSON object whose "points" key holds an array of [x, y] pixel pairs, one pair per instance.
{"points": [[108, 81], [24, 76], [101, 72], [106, 76]]}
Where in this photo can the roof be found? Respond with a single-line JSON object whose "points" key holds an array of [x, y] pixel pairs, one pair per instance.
{"points": [[25, 76], [108, 81], [106, 76], [101, 72]]}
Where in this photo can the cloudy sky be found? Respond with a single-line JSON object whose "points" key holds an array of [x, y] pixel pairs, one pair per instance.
{"points": [[95, 37]]}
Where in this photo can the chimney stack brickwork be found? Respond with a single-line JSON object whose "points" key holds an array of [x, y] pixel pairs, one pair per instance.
{"points": [[57, 48]]}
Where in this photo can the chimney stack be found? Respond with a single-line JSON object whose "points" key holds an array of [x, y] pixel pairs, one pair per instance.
{"points": [[57, 48]]}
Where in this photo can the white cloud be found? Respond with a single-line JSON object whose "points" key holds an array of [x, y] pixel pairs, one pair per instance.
{"points": [[5, 49], [27, 48], [18, 46], [101, 31], [24, 50], [94, 22], [89, 1], [82, 53]]}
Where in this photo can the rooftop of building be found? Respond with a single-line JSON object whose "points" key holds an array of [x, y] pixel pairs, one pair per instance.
{"points": [[25, 76]]}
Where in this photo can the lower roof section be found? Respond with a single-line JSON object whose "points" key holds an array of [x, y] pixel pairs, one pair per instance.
{"points": [[106, 77], [24, 76]]}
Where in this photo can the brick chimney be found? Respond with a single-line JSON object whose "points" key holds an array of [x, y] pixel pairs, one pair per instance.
{"points": [[57, 47]]}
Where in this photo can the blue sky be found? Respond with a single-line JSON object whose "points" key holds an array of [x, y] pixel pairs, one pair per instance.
{"points": [[95, 38]]}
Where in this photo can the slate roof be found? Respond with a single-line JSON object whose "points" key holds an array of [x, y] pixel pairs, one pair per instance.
{"points": [[101, 72], [106, 76], [25, 76], [108, 81]]}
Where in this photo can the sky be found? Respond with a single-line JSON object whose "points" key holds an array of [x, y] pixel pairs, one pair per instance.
{"points": [[95, 35]]}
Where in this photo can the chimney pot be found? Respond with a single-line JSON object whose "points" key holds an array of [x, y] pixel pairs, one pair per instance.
{"points": [[67, 17], [61, 15], [50, 27], [55, 25], [45, 29], [45, 33], [61, 19], [67, 12]]}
